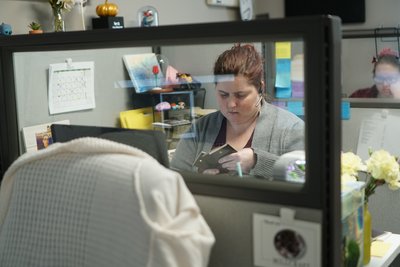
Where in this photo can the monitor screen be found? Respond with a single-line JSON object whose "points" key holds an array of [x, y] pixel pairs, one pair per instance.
{"points": [[348, 11], [151, 142]]}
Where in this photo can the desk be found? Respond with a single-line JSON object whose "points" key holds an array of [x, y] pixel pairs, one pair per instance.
{"points": [[390, 255]]}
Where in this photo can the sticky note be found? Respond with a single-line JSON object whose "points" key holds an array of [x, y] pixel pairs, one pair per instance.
{"points": [[297, 89], [379, 248], [281, 104], [283, 73], [295, 107], [283, 92], [345, 110], [283, 50]]}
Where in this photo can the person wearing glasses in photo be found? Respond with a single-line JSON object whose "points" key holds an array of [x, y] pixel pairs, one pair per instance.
{"points": [[386, 75], [258, 131]]}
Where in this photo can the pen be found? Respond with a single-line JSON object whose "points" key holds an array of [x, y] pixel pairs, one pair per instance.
{"points": [[239, 169]]}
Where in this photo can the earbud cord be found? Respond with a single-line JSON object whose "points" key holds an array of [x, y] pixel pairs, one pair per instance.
{"points": [[259, 101]]}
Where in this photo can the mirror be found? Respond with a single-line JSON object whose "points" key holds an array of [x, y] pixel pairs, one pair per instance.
{"points": [[253, 104], [193, 49], [371, 68], [262, 111]]}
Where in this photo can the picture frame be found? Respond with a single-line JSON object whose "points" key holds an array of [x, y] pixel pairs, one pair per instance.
{"points": [[144, 71], [38, 137]]}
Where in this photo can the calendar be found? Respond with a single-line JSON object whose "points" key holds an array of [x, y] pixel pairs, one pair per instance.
{"points": [[71, 87]]}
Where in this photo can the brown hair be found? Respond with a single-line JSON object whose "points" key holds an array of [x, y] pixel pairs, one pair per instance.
{"points": [[242, 60]]}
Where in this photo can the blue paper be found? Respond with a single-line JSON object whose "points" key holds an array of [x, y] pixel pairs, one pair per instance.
{"points": [[345, 110], [296, 107], [283, 92], [283, 73]]}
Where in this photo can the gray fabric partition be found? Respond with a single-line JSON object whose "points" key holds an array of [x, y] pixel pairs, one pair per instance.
{"points": [[31, 83]]}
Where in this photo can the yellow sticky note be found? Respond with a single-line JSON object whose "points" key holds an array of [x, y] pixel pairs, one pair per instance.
{"points": [[283, 50], [379, 248]]}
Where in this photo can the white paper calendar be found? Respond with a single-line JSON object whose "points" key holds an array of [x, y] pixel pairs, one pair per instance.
{"points": [[71, 87]]}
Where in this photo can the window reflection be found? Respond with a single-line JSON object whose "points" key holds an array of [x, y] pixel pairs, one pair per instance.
{"points": [[230, 96], [241, 132], [386, 77], [370, 67]]}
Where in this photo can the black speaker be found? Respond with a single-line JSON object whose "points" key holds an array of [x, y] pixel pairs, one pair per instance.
{"points": [[108, 23]]}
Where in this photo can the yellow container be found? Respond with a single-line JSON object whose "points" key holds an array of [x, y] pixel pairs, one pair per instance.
{"points": [[141, 118]]}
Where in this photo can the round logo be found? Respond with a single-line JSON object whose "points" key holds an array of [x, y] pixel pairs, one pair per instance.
{"points": [[289, 244]]}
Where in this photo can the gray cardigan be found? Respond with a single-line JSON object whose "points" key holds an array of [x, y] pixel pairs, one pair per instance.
{"points": [[277, 132]]}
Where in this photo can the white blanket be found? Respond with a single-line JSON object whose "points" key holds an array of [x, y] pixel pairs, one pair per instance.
{"points": [[93, 202]]}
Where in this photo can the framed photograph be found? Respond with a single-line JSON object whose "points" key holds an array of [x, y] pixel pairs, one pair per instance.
{"points": [[39, 137], [144, 71], [281, 242]]}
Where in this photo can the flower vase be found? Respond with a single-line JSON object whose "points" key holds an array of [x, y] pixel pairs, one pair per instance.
{"points": [[58, 20], [367, 235]]}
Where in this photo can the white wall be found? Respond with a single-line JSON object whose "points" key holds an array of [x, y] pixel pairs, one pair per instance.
{"points": [[379, 13], [20, 13]]}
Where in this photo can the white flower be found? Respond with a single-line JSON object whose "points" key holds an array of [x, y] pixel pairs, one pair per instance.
{"points": [[62, 4], [394, 184], [351, 164], [383, 166], [348, 178], [68, 4]]}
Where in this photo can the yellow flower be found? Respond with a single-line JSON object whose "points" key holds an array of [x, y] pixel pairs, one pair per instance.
{"points": [[383, 166], [351, 164]]}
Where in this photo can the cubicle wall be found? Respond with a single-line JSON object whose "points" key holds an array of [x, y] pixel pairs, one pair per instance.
{"points": [[31, 76], [231, 221], [372, 122]]}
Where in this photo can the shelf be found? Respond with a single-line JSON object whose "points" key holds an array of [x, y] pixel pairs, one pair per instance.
{"points": [[391, 254]]}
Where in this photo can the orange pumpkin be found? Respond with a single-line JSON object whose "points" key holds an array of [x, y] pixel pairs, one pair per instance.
{"points": [[107, 10]]}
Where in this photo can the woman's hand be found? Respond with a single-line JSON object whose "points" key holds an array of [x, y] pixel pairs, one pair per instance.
{"points": [[246, 157]]}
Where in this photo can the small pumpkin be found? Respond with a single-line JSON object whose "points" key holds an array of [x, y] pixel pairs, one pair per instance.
{"points": [[107, 9]]}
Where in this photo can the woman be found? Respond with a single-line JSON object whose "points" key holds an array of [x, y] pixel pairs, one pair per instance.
{"points": [[386, 75], [260, 132]]}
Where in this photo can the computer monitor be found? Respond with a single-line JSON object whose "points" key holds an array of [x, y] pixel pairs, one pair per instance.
{"points": [[150, 141], [348, 11]]}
